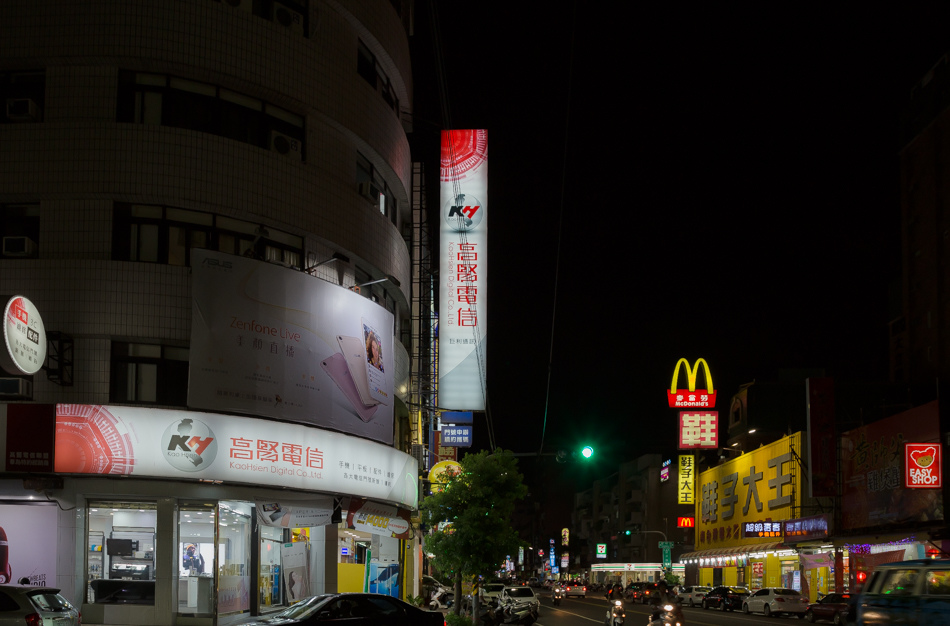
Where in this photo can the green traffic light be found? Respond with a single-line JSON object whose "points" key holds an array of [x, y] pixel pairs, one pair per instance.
{"points": [[587, 452], [627, 532]]}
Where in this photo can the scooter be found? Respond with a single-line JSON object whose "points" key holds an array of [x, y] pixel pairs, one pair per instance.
{"points": [[667, 615], [615, 614], [442, 598], [556, 595], [521, 614]]}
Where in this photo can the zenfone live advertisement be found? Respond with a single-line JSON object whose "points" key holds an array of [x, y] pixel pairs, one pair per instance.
{"points": [[159, 443], [463, 262], [269, 341]]}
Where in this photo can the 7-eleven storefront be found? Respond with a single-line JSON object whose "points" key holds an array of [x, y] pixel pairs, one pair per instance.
{"points": [[740, 507]]}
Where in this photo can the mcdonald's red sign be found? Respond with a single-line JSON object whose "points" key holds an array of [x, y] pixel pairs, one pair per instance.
{"points": [[685, 522], [691, 397]]}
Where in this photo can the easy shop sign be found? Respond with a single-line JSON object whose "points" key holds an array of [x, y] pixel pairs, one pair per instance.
{"points": [[923, 466]]}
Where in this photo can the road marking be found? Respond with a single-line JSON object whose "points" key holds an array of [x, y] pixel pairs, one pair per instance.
{"points": [[553, 608]]}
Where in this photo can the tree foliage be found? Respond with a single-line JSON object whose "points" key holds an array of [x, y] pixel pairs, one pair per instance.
{"points": [[478, 504]]}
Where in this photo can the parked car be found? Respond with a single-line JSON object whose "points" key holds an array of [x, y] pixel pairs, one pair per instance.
{"points": [[23, 604], [906, 592], [693, 596], [775, 601], [492, 591], [645, 593], [521, 595], [837, 607], [353, 609], [725, 598], [574, 589]]}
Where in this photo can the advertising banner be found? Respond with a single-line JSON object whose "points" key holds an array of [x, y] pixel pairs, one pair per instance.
{"points": [[284, 515], [377, 518], [463, 265], [764, 484], [28, 548], [699, 429], [872, 471], [295, 569], [686, 485], [822, 452], [156, 443], [269, 341]]}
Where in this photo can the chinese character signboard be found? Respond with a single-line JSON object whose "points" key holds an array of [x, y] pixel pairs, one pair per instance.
{"points": [[686, 485], [24, 337], [463, 264], [762, 529], [764, 484], [158, 443], [565, 536], [273, 342], [691, 397], [699, 429], [805, 529], [456, 436], [923, 466], [873, 471], [665, 470]]}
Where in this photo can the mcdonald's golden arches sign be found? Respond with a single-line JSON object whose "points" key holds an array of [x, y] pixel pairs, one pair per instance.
{"points": [[692, 397]]}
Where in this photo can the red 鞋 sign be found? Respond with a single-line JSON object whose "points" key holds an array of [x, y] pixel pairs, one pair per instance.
{"points": [[922, 461]]}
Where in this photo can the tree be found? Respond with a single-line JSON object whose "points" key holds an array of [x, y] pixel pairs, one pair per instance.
{"points": [[474, 509]]}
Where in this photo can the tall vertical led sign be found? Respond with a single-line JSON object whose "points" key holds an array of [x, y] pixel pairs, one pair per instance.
{"points": [[463, 269]]}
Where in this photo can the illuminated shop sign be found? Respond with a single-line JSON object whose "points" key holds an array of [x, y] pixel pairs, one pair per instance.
{"points": [[923, 466], [665, 471], [463, 269], [762, 529], [601, 550], [699, 429], [757, 486], [565, 536], [805, 528], [24, 337], [685, 522], [686, 485], [692, 397]]}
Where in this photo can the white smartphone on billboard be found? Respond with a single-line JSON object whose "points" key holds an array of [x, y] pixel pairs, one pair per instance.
{"points": [[355, 354], [374, 363]]}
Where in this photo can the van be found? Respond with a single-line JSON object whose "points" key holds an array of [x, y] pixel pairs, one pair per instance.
{"points": [[907, 592]]}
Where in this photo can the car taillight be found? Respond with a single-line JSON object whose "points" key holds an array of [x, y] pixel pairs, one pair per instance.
{"points": [[585, 589], [780, 599], [34, 619]]}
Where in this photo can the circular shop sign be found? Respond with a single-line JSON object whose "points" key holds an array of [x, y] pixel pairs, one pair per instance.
{"points": [[24, 337]]}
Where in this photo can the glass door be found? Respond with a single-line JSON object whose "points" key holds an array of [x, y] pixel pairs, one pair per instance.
{"points": [[234, 560], [196, 559]]}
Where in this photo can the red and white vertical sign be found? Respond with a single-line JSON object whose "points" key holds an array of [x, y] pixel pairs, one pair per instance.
{"points": [[699, 429], [463, 263], [923, 466]]}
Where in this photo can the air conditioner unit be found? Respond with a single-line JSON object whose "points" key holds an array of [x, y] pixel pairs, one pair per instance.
{"points": [[241, 5], [419, 453], [370, 192], [23, 110], [288, 18], [16, 388], [286, 145], [19, 246]]}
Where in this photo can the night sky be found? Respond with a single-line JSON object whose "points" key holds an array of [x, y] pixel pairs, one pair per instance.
{"points": [[730, 191]]}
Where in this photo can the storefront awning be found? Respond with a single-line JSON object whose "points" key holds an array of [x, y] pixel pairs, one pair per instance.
{"points": [[734, 550]]}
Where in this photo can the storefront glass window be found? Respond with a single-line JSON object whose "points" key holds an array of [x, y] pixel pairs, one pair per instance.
{"points": [[196, 553], [270, 580], [120, 553], [234, 558]]}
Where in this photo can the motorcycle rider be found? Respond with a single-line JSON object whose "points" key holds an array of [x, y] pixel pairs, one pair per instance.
{"points": [[664, 597], [615, 593]]}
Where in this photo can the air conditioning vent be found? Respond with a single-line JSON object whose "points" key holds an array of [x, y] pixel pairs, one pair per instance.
{"points": [[23, 110], [19, 246], [288, 18], [286, 145], [370, 192], [241, 5], [20, 388], [419, 453]]}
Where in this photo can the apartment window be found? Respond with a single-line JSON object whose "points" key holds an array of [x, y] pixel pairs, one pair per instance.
{"points": [[20, 228], [23, 95], [163, 100], [161, 234], [373, 73], [149, 374], [366, 173]]}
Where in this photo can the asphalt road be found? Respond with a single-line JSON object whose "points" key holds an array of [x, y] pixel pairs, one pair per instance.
{"points": [[593, 610]]}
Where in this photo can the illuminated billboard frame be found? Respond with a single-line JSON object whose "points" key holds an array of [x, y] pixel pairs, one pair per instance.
{"points": [[463, 274]]}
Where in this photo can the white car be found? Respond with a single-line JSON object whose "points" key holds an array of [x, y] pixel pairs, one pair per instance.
{"points": [[775, 601], [521, 595], [693, 596], [574, 589], [35, 605], [492, 591]]}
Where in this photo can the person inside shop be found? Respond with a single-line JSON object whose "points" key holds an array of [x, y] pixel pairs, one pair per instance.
{"points": [[192, 559]]}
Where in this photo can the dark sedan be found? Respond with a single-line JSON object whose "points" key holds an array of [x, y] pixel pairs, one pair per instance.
{"points": [[352, 609], [837, 607], [725, 598]]}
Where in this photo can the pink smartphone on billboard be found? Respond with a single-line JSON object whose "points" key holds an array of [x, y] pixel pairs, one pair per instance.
{"points": [[375, 369], [335, 366]]}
